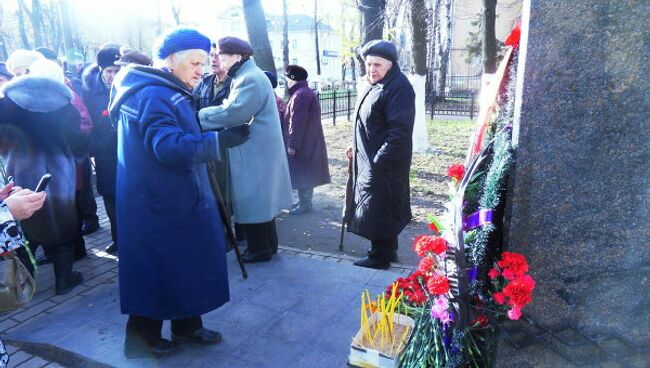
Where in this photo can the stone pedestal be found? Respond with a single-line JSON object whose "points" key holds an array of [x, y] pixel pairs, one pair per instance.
{"points": [[579, 197]]}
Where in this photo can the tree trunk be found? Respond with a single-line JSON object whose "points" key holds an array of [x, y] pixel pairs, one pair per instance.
{"points": [[316, 37], [21, 26], [445, 50], [37, 22], [372, 25], [3, 48], [258, 34], [418, 17], [437, 47], [285, 35], [67, 32], [176, 12], [489, 36]]}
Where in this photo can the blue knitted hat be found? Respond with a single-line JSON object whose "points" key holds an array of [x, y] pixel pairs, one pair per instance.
{"points": [[181, 39]]}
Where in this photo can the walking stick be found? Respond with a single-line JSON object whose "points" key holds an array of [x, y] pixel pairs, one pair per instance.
{"points": [[348, 197], [225, 217]]}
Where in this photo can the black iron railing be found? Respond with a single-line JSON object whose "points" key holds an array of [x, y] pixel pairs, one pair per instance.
{"points": [[337, 104], [453, 104]]}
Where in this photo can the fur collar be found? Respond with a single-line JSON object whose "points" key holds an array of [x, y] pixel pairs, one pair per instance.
{"points": [[37, 94]]}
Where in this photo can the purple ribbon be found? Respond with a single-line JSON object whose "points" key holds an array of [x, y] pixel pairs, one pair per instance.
{"points": [[477, 219]]}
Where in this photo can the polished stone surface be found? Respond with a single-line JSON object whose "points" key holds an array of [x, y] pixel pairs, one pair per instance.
{"points": [[579, 200]]}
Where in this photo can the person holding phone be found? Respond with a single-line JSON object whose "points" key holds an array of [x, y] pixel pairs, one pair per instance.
{"points": [[40, 130]]}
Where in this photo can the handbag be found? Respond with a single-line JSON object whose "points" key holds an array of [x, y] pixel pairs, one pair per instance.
{"points": [[17, 286]]}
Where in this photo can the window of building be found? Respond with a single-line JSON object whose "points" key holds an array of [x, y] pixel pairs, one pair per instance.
{"points": [[294, 44]]}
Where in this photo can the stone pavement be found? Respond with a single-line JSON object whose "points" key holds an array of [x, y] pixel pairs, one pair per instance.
{"points": [[299, 310]]}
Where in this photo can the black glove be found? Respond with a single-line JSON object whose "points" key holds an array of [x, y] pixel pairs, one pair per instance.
{"points": [[234, 136]]}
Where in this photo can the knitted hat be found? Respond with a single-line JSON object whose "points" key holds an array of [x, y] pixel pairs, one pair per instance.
{"points": [[296, 73], [107, 56], [130, 55], [272, 78], [21, 59], [48, 53], [381, 48], [234, 46], [47, 69], [181, 39], [4, 72]]}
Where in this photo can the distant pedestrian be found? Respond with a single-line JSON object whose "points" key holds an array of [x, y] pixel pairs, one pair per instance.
{"points": [[305, 142], [215, 87], [259, 172], [97, 82], [172, 243], [20, 61], [379, 208]]}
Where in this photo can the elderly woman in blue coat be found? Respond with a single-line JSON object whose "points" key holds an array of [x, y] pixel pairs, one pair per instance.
{"points": [[172, 244], [259, 172]]}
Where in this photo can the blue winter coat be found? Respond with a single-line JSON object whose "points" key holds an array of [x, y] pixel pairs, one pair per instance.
{"points": [[172, 245], [103, 144]]}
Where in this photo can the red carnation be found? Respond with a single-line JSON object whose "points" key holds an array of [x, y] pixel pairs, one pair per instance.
{"points": [[429, 243], [438, 285], [456, 171], [508, 274], [105, 113], [438, 246], [500, 298], [514, 313], [493, 273], [515, 262], [520, 291], [480, 321], [426, 264]]}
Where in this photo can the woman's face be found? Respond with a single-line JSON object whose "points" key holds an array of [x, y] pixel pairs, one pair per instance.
{"points": [[189, 69], [228, 60]]}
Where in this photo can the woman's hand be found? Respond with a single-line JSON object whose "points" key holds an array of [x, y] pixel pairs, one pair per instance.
{"points": [[24, 203]]}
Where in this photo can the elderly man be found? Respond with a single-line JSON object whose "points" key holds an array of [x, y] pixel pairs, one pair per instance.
{"points": [[379, 208], [214, 88], [172, 244]]}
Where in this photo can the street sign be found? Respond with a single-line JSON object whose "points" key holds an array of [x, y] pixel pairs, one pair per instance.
{"points": [[330, 53]]}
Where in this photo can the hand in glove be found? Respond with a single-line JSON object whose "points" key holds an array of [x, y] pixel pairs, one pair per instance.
{"points": [[234, 136]]}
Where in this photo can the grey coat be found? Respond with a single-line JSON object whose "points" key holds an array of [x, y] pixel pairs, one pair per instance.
{"points": [[259, 173]]}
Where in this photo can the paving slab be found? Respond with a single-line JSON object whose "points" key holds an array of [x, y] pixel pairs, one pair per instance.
{"points": [[292, 312]]}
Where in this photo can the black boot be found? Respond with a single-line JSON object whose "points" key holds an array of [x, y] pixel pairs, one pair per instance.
{"points": [[304, 204], [143, 340], [62, 257]]}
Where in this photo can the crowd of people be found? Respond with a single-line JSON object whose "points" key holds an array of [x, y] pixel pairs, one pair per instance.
{"points": [[170, 146]]}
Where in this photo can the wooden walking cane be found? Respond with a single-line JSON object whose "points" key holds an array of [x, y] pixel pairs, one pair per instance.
{"points": [[348, 197], [225, 217]]}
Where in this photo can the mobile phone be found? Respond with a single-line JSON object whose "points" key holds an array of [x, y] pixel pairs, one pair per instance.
{"points": [[42, 184]]}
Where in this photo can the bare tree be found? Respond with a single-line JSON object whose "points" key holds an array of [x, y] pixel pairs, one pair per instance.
{"points": [[258, 34], [37, 22], [372, 24], [176, 12], [21, 25], [67, 30], [285, 35], [444, 50], [316, 23], [4, 54], [419, 36], [489, 36]]}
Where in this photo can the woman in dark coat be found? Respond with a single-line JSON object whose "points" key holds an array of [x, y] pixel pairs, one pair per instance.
{"points": [[306, 149], [40, 134], [172, 244], [379, 207]]}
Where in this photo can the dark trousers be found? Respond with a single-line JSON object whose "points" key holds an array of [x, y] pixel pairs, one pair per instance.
{"points": [[383, 249], [86, 204], [150, 330], [262, 237], [109, 205]]}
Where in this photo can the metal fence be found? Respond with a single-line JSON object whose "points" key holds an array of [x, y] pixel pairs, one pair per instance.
{"points": [[463, 83], [337, 104], [453, 104]]}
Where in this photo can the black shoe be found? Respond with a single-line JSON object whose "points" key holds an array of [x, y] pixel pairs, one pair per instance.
{"points": [[373, 263], [112, 248], [89, 227], [134, 348], [42, 260], [202, 336], [65, 285], [253, 257]]}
